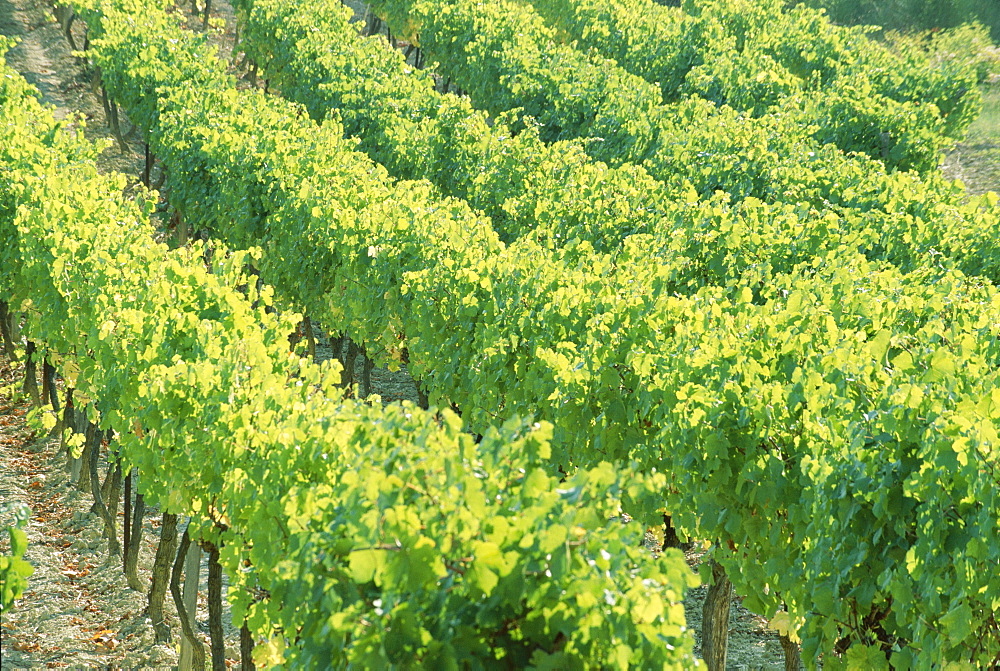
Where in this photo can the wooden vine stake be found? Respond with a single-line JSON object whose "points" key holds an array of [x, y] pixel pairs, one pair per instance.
{"points": [[215, 631], [192, 654], [111, 110], [31, 374], [49, 391], [165, 553], [6, 330], [670, 537], [80, 469], [111, 490], [793, 654], [422, 400], [65, 16], [66, 427], [307, 325], [246, 648], [94, 445], [347, 379], [715, 619], [147, 166], [366, 374]]}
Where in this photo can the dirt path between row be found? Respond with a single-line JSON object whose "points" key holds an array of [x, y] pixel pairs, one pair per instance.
{"points": [[77, 610]]}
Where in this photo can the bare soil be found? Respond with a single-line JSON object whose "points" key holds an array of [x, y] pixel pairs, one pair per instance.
{"points": [[78, 609], [975, 161]]}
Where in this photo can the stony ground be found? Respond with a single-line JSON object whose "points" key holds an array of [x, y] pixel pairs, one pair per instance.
{"points": [[78, 610]]}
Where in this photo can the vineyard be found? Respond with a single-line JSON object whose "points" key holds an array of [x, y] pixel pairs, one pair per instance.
{"points": [[655, 279]]}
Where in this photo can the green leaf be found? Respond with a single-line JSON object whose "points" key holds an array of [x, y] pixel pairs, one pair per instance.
{"points": [[879, 345], [424, 564], [553, 538], [942, 366], [536, 483], [365, 565], [649, 610], [863, 657], [18, 541], [483, 578], [958, 623]]}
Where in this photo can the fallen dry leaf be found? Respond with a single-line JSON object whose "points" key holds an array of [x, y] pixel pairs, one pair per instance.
{"points": [[72, 574], [106, 638]]}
